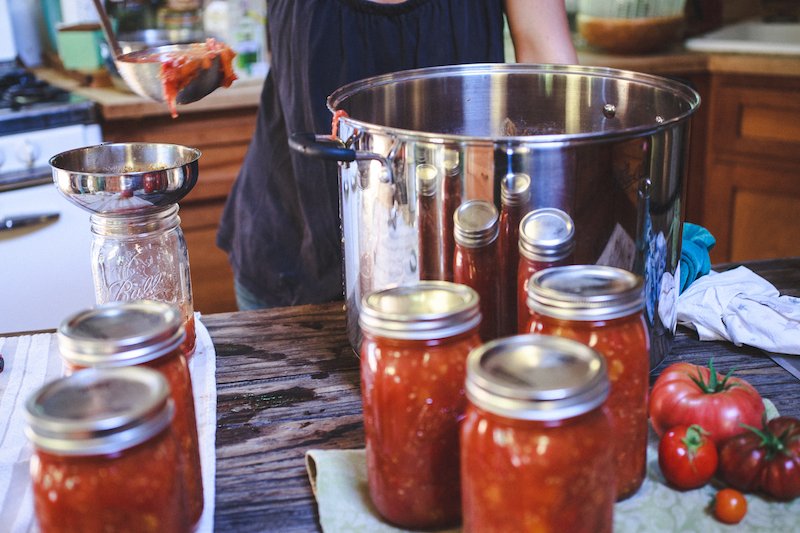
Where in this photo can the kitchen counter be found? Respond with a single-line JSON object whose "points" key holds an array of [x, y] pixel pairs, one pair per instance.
{"points": [[116, 104], [679, 60], [288, 381]]}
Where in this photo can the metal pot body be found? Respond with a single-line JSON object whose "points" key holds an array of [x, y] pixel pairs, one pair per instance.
{"points": [[608, 147]]}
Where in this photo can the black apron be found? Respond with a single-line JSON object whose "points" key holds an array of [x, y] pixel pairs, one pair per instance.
{"points": [[281, 224]]}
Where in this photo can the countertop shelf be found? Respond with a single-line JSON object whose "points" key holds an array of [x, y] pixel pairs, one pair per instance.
{"points": [[116, 104]]}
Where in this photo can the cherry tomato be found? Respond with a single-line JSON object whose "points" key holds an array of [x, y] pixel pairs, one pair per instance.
{"points": [[686, 394], [687, 457], [730, 506], [766, 459]]}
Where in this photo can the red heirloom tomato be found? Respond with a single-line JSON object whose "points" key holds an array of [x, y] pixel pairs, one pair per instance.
{"points": [[687, 457], [730, 506], [686, 394], [766, 460]]}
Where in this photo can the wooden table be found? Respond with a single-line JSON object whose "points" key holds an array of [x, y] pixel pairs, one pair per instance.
{"points": [[288, 381]]}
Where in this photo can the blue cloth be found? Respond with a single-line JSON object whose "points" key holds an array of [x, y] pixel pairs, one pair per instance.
{"points": [[695, 261]]}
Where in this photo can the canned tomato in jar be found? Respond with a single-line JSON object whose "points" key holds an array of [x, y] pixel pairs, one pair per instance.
{"points": [[602, 307], [546, 239], [142, 333], [534, 441], [475, 261], [413, 357], [105, 458]]}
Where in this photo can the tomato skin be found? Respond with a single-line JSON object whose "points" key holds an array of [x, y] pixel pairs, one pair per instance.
{"points": [[676, 399], [730, 506], [687, 457], [768, 462]]}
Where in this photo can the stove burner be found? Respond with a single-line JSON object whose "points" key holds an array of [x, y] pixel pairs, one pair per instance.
{"points": [[20, 89]]}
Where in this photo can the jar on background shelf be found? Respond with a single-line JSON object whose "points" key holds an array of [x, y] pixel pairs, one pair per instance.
{"points": [[602, 307], [546, 238], [534, 440], [475, 259], [142, 333], [143, 257], [105, 458], [415, 344]]}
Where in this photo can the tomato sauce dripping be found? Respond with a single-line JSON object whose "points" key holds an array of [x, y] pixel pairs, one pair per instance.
{"points": [[339, 113]]}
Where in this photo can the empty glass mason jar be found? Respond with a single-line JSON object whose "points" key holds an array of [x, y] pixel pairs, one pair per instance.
{"points": [[143, 257]]}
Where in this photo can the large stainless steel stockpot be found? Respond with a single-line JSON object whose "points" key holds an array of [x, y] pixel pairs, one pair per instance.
{"points": [[608, 147]]}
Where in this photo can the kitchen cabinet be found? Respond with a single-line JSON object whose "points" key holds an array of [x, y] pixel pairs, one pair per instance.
{"points": [[222, 137], [752, 183]]}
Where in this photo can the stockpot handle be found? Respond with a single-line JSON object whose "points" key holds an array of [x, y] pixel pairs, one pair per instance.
{"points": [[321, 146], [326, 147]]}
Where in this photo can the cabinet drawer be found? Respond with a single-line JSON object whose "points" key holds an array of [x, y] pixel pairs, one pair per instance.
{"points": [[760, 119]]}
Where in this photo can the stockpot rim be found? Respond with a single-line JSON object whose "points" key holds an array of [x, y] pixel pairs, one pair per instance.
{"points": [[679, 89]]}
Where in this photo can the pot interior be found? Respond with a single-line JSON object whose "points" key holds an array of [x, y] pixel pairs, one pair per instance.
{"points": [[542, 103]]}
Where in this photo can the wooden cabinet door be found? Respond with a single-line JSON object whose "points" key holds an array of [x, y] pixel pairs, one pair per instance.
{"points": [[751, 197]]}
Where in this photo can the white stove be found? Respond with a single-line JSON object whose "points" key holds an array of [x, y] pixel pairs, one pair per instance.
{"points": [[45, 273]]}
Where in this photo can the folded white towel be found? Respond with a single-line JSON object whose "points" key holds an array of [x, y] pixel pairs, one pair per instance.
{"points": [[742, 307]]}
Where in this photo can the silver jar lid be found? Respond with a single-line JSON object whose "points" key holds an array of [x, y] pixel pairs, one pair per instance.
{"points": [[423, 311], [515, 189], [427, 178], [476, 223], [585, 292], [536, 377], [452, 162], [99, 411], [121, 334], [546, 234]]}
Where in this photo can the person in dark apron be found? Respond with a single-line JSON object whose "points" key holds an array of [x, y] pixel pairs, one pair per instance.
{"points": [[280, 226]]}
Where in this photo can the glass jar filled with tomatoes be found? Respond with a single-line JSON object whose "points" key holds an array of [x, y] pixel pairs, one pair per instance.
{"points": [[475, 261], [534, 440], [515, 196], [546, 238], [142, 333], [602, 307], [415, 344], [105, 458]]}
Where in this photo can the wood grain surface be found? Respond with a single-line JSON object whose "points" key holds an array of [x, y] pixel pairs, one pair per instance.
{"points": [[287, 381]]}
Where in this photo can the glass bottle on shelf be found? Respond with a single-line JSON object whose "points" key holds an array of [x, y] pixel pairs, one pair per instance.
{"points": [[143, 257]]}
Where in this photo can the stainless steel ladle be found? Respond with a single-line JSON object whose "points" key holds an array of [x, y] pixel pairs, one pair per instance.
{"points": [[141, 70]]}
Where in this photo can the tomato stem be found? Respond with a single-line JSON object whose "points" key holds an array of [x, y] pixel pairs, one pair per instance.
{"points": [[772, 443], [714, 384]]}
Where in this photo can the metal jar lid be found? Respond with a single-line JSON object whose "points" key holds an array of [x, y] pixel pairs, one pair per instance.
{"points": [[515, 189], [536, 377], [546, 235], [99, 411], [427, 178], [121, 334], [424, 311], [585, 292], [476, 223]]}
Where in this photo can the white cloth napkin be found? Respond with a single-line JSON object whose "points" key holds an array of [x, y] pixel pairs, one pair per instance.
{"points": [[742, 307], [33, 360]]}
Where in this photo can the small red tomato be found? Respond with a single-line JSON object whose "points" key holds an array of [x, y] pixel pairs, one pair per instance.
{"points": [[730, 506], [687, 457]]}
